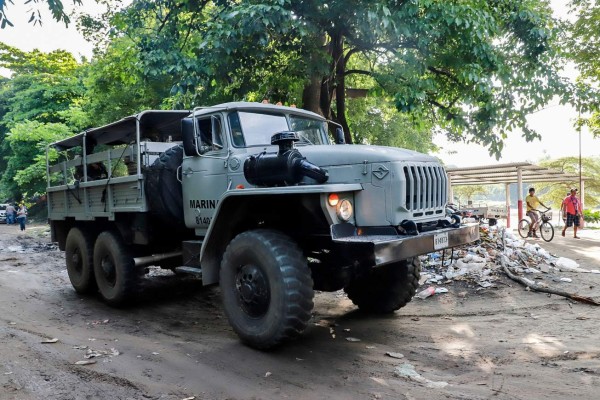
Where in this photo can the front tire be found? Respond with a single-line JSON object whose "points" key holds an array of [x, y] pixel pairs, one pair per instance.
{"points": [[79, 250], [266, 288], [114, 269], [547, 231], [386, 289]]}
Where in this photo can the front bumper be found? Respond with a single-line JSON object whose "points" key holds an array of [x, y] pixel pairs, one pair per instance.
{"points": [[384, 249]]}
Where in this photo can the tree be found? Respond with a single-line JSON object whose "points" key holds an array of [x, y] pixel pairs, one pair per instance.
{"points": [[584, 45], [41, 85], [25, 173], [36, 102], [466, 192], [55, 6], [554, 192], [477, 68], [116, 85], [375, 120], [474, 68]]}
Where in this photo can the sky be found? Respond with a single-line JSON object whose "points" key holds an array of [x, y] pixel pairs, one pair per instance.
{"points": [[554, 123]]}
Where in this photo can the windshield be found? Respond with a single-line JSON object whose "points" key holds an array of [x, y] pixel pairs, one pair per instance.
{"points": [[255, 129]]}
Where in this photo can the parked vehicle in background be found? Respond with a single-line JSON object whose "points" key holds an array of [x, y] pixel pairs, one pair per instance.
{"points": [[3, 213], [253, 197], [489, 214]]}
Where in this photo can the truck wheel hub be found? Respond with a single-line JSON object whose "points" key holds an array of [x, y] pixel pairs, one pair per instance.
{"points": [[109, 270], [76, 259], [253, 290]]}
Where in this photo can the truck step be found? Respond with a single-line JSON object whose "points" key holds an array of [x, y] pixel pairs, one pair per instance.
{"points": [[189, 270]]}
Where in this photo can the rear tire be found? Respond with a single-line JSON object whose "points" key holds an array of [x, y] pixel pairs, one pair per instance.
{"points": [[266, 288], [114, 269], [386, 289], [79, 250], [524, 228]]}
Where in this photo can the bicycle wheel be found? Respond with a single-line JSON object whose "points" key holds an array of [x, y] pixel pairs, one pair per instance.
{"points": [[547, 231], [523, 228]]}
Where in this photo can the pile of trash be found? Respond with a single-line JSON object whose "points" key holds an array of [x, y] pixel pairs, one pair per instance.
{"points": [[483, 263]]}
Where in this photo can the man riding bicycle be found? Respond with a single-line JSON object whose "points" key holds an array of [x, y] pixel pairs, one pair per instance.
{"points": [[532, 212]]}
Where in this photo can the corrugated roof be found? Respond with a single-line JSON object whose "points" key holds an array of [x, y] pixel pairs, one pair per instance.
{"points": [[507, 173]]}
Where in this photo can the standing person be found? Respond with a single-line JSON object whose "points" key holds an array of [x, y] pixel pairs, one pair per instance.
{"points": [[571, 207], [22, 215], [10, 214], [532, 204]]}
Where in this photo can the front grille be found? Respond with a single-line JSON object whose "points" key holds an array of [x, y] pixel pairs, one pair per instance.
{"points": [[426, 188]]}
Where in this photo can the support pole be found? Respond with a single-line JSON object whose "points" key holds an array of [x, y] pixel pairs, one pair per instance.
{"points": [[520, 194], [582, 200], [508, 205]]}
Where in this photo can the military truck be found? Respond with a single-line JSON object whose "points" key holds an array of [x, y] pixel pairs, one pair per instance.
{"points": [[257, 198]]}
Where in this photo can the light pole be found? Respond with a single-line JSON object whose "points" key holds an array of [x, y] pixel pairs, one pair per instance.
{"points": [[581, 188]]}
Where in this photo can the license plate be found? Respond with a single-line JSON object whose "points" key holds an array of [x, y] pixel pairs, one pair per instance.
{"points": [[440, 241]]}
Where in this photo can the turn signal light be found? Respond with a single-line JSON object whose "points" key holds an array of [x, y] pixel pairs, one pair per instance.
{"points": [[333, 199]]}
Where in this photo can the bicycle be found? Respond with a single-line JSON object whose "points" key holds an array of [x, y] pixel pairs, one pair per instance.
{"points": [[545, 227]]}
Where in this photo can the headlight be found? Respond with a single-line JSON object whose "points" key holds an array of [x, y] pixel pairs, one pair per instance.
{"points": [[344, 210]]}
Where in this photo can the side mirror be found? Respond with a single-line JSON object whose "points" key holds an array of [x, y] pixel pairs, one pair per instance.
{"points": [[189, 137], [339, 136]]}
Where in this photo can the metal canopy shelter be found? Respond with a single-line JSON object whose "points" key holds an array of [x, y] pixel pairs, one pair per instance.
{"points": [[507, 174]]}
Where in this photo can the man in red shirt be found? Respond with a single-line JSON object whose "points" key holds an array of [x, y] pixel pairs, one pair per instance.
{"points": [[571, 207]]}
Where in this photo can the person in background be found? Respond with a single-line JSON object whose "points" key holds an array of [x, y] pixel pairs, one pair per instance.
{"points": [[10, 214], [571, 207], [532, 212], [22, 215]]}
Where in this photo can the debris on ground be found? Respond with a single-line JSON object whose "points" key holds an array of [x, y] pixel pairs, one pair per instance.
{"points": [[394, 355], [85, 362], [91, 354], [408, 371], [48, 341], [353, 339], [498, 251]]}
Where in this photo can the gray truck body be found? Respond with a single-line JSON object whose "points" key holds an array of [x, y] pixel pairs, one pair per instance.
{"points": [[388, 190]]}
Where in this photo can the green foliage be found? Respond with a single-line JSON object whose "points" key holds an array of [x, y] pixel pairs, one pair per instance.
{"points": [[36, 103], [55, 6], [465, 193], [584, 47], [478, 68], [554, 192], [474, 68], [41, 85], [116, 85], [25, 174], [591, 216], [374, 120]]}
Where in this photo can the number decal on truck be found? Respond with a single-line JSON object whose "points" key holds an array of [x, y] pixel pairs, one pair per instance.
{"points": [[440, 241], [202, 220]]}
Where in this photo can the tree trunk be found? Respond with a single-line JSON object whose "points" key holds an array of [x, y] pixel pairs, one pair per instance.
{"points": [[326, 96], [340, 83], [311, 95]]}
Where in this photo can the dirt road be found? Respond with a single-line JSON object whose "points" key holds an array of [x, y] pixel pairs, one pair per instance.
{"points": [[504, 343]]}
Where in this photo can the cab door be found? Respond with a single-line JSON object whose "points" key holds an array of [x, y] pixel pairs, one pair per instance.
{"points": [[204, 176]]}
